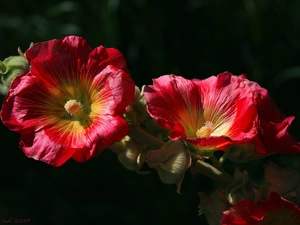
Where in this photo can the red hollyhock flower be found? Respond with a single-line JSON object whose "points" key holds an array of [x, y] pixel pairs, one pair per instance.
{"points": [[213, 113], [220, 111], [71, 102], [275, 211]]}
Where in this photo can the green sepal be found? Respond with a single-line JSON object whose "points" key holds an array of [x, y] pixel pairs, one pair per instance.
{"points": [[10, 68]]}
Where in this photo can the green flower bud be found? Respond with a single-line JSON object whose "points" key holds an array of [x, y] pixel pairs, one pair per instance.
{"points": [[10, 68], [137, 115], [171, 161], [242, 188], [130, 153]]}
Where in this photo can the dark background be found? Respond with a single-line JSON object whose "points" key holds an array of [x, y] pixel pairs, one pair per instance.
{"points": [[192, 38]]}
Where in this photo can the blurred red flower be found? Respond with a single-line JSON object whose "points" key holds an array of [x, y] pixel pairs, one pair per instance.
{"points": [[71, 102], [275, 211]]}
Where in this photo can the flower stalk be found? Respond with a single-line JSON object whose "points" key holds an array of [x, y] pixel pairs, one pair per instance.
{"points": [[144, 137], [212, 172]]}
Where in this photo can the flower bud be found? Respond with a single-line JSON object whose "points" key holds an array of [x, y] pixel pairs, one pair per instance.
{"points": [[137, 94], [10, 68], [129, 152], [241, 188], [284, 181], [136, 114], [171, 161], [213, 206], [139, 106]]}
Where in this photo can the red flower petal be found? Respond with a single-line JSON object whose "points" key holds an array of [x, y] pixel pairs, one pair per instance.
{"points": [[174, 103], [276, 211], [74, 44], [117, 92], [106, 131], [21, 107], [273, 126], [280, 211], [53, 63], [245, 212], [117, 59], [40, 146], [276, 139], [100, 57], [79, 47]]}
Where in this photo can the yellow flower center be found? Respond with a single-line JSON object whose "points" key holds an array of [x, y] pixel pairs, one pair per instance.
{"points": [[205, 130], [73, 107]]}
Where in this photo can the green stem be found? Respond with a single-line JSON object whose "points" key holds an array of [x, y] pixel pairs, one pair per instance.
{"points": [[213, 173], [144, 137]]}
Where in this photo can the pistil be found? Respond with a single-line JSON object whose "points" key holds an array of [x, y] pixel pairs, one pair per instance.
{"points": [[205, 130], [73, 107]]}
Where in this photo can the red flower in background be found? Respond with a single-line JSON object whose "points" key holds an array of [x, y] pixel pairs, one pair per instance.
{"points": [[275, 211], [71, 102], [213, 113]]}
